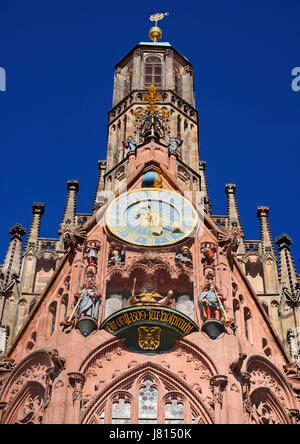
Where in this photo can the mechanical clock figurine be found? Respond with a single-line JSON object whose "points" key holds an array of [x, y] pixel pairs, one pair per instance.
{"points": [[151, 217]]}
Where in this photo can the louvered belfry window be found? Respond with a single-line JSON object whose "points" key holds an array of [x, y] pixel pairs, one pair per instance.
{"points": [[153, 72]]}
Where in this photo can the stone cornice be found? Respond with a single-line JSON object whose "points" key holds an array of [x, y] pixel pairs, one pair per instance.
{"points": [[169, 97]]}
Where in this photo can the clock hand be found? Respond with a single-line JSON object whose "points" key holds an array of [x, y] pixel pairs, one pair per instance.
{"points": [[174, 228]]}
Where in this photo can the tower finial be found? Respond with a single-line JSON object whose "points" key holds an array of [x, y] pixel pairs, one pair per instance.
{"points": [[155, 32]]}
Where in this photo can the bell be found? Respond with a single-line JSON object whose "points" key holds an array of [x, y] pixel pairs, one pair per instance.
{"points": [[213, 328], [86, 325]]}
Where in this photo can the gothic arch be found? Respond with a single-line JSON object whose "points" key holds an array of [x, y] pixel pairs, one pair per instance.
{"points": [[133, 379], [265, 408], [268, 383], [27, 407], [27, 388]]}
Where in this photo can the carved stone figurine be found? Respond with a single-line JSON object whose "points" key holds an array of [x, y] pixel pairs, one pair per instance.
{"points": [[208, 256], [58, 361], [90, 301], [184, 257], [92, 250], [209, 299], [130, 144], [116, 257], [174, 144]]}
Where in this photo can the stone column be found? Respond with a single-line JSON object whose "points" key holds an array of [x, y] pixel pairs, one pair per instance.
{"points": [[169, 70], [137, 67], [187, 85], [74, 397], [131, 163], [173, 162], [2, 410], [218, 385], [246, 384]]}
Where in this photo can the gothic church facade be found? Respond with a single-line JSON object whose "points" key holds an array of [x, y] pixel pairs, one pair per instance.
{"points": [[114, 321]]}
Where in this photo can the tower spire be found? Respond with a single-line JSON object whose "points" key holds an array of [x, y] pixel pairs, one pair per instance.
{"points": [[232, 208], [268, 250], [288, 276], [204, 189], [68, 219], [12, 263], [38, 209], [100, 183], [265, 231]]}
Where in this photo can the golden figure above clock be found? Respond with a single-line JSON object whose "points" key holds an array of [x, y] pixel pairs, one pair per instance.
{"points": [[151, 217]]}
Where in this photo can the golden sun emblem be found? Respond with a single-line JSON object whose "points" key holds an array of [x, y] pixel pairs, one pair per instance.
{"points": [[149, 337]]}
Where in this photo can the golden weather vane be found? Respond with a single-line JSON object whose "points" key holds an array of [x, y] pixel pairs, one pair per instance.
{"points": [[158, 16], [155, 32]]}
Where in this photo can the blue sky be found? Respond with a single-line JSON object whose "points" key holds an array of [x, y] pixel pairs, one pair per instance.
{"points": [[59, 59]]}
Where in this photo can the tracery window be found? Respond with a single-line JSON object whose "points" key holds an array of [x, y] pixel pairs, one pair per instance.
{"points": [[174, 412], [121, 412], [147, 399], [148, 403], [153, 72]]}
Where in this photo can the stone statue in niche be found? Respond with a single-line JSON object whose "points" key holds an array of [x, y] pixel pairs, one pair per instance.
{"points": [[92, 250], [184, 257], [208, 255], [88, 300], [130, 144], [211, 302], [116, 256], [174, 144]]}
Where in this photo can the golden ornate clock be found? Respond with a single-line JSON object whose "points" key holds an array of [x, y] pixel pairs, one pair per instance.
{"points": [[151, 217]]}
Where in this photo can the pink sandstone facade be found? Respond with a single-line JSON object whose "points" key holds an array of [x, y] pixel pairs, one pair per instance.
{"points": [[53, 373]]}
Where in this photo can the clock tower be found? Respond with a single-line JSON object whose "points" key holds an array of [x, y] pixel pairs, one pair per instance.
{"points": [[150, 309]]}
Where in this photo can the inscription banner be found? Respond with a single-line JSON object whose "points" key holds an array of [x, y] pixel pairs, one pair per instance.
{"points": [[149, 328]]}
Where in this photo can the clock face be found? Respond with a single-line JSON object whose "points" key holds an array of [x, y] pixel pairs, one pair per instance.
{"points": [[151, 218]]}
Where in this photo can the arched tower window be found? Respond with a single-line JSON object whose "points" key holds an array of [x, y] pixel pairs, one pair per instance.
{"points": [[153, 72]]}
